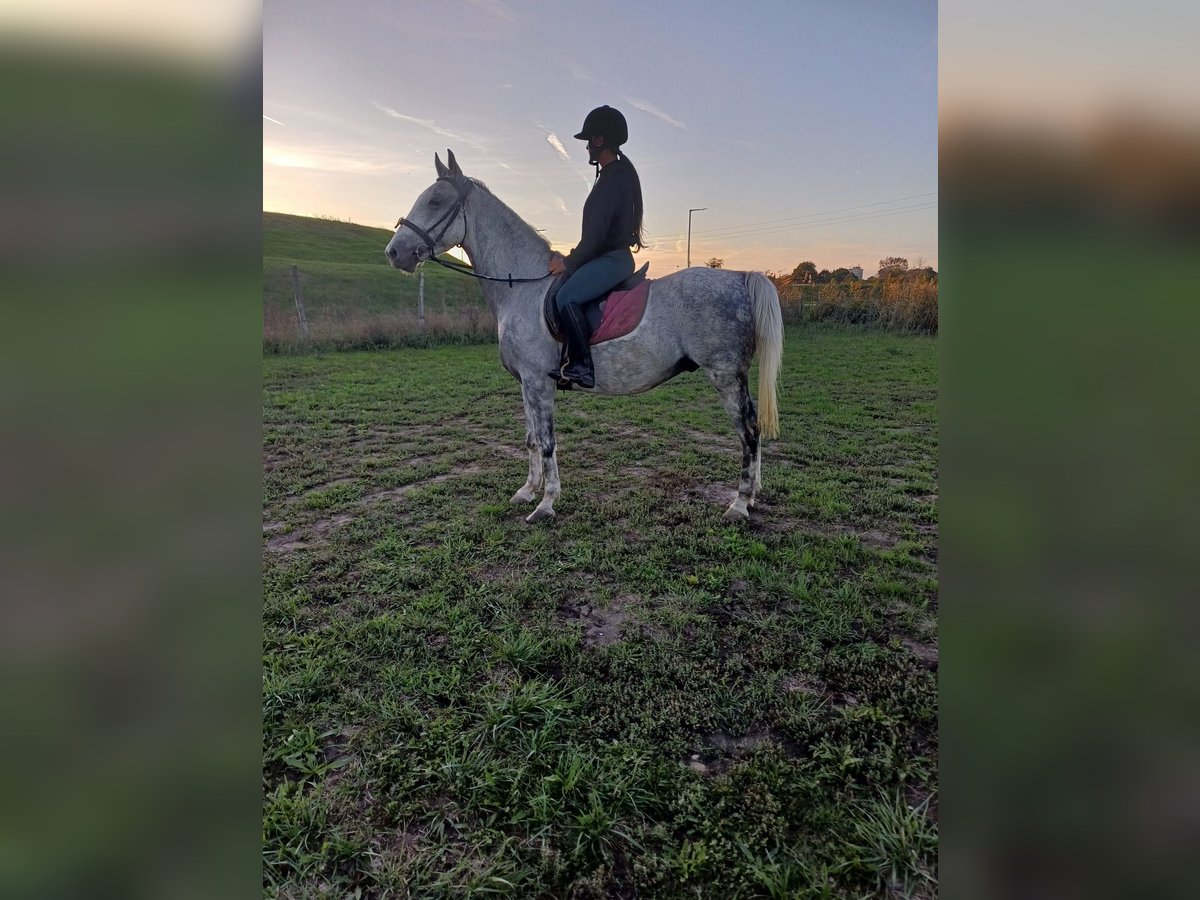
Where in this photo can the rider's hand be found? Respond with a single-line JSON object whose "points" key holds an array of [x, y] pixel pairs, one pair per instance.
{"points": [[557, 267]]}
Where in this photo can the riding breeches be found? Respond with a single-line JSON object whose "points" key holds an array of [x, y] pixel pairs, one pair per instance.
{"points": [[595, 278]]}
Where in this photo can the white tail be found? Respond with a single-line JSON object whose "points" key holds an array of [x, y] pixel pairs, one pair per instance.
{"points": [[768, 338]]}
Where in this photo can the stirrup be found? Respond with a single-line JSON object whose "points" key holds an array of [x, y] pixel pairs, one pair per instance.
{"points": [[589, 374], [561, 381]]}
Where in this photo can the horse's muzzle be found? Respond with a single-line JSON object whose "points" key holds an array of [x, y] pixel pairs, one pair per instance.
{"points": [[405, 262]]}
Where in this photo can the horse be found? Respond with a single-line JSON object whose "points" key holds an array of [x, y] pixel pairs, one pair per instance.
{"points": [[711, 319]]}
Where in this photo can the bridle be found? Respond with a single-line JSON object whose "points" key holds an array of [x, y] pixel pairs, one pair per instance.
{"points": [[463, 186]]}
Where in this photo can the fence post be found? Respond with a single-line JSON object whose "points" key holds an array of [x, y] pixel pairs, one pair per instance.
{"points": [[421, 301], [299, 302]]}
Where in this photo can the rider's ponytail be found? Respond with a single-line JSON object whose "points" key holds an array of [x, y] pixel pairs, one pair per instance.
{"points": [[637, 238]]}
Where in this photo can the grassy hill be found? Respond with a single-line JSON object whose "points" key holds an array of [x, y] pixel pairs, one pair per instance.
{"points": [[352, 297]]}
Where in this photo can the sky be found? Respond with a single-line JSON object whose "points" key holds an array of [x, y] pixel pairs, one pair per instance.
{"points": [[807, 130]]}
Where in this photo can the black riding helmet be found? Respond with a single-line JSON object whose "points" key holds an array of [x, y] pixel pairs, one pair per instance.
{"points": [[605, 122]]}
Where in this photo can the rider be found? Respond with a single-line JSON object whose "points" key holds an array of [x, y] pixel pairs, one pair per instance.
{"points": [[612, 224]]}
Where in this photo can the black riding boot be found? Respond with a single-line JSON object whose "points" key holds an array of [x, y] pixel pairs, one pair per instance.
{"points": [[579, 370]]}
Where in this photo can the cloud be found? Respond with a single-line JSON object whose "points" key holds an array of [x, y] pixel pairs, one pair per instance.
{"points": [[553, 141], [580, 72], [561, 205], [424, 123], [749, 146], [276, 121], [474, 143], [495, 8], [654, 111]]}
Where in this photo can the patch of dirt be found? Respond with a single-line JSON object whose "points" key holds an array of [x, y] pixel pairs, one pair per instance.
{"points": [[802, 684], [421, 460], [398, 493], [376, 433], [711, 493], [874, 537], [636, 472], [739, 745], [286, 543], [630, 431], [276, 455], [495, 573], [728, 444], [513, 451], [393, 848], [720, 750], [927, 654], [298, 540], [602, 626], [883, 540]]}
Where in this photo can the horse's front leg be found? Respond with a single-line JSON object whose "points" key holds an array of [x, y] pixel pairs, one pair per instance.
{"points": [[528, 491], [538, 393]]}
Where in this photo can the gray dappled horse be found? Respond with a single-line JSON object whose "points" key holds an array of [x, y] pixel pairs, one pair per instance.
{"points": [[712, 319]]}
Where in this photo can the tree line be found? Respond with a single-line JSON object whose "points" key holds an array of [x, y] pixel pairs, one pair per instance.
{"points": [[891, 268]]}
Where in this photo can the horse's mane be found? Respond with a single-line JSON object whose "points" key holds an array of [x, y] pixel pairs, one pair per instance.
{"points": [[516, 219]]}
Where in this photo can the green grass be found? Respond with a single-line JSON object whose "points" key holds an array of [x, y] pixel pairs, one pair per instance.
{"points": [[325, 240], [632, 699]]}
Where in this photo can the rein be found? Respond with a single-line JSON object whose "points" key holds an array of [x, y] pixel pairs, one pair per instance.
{"points": [[448, 217]]}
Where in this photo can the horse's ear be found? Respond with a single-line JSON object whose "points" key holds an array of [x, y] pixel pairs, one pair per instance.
{"points": [[455, 171], [442, 171]]}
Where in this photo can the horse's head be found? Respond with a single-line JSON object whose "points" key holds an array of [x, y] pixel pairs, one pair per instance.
{"points": [[436, 222]]}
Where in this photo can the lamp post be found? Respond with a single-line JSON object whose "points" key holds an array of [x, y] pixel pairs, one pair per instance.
{"points": [[689, 250]]}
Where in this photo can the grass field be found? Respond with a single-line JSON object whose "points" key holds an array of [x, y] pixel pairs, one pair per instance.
{"points": [[352, 297], [634, 699]]}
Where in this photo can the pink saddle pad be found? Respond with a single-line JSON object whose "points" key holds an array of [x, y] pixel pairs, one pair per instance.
{"points": [[623, 310]]}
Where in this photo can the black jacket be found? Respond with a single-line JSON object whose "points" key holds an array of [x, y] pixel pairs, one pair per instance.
{"points": [[609, 214]]}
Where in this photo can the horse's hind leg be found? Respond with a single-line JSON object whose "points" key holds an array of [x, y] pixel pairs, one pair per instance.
{"points": [[757, 472], [734, 391]]}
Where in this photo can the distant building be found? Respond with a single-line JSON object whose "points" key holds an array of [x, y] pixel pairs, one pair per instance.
{"points": [[856, 271]]}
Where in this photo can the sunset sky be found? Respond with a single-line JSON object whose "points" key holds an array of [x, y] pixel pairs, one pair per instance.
{"points": [[808, 130]]}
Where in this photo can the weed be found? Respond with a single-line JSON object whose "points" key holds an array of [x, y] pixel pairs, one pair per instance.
{"points": [[893, 844]]}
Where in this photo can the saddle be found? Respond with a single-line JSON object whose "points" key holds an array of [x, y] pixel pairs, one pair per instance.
{"points": [[616, 313]]}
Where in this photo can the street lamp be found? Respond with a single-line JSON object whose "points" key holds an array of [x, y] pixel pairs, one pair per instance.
{"points": [[689, 252]]}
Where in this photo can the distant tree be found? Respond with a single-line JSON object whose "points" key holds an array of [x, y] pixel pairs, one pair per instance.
{"points": [[841, 274], [823, 277], [890, 266], [805, 273], [716, 263]]}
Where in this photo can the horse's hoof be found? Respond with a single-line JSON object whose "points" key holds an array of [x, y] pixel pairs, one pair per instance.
{"points": [[737, 514], [524, 495], [539, 515]]}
